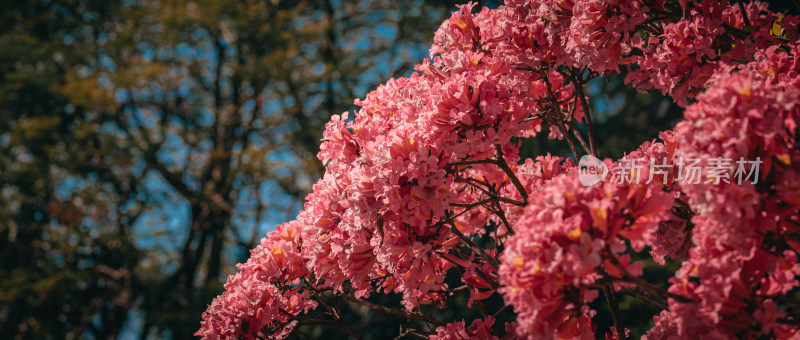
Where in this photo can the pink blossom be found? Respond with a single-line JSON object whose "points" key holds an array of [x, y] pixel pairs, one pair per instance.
{"points": [[568, 235]]}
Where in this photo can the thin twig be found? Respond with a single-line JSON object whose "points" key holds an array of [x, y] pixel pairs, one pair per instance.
{"points": [[646, 296], [608, 291], [388, 310], [502, 216], [578, 136], [403, 333], [472, 182], [474, 247], [627, 277], [497, 313], [471, 205], [348, 329], [587, 110], [483, 275], [654, 289], [569, 140], [459, 288], [467, 208], [501, 162], [321, 300], [311, 321], [744, 14], [472, 162], [560, 116]]}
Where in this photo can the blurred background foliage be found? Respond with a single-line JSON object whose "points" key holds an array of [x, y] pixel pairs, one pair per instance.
{"points": [[147, 145]]}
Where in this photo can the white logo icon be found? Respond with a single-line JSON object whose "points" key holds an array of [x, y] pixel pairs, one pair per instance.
{"points": [[591, 170]]}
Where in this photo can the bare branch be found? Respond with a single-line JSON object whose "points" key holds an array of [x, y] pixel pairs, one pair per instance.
{"points": [[646, 296], [501, 162], [388, 310], [608, 291], [474, 247], [587, 110]]}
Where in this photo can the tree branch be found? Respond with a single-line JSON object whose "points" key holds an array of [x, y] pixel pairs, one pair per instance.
{"points": [[471, 181], [608, 291], [396, 312], [474, 247], [627, 277], [646, 296], [587, 110], [501, 162]]}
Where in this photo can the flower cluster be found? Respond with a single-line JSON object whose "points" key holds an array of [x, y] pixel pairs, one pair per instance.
{"points": [[594, 34], [262, 300], [744, 255], [711, 38], [570, 239]]}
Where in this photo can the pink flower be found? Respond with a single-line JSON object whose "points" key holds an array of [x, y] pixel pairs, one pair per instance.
{"points": [[567, 236], [253, 305], [478, 330]]}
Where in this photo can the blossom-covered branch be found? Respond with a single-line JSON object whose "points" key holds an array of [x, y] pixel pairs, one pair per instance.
{"points": [[427, 178]]}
